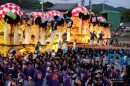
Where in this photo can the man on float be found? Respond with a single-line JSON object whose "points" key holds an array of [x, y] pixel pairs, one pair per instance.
{"points": [[37, 50], [60, 48], [100, 38], [74, 45], [12, 52], [92, 37], [65, 47]]}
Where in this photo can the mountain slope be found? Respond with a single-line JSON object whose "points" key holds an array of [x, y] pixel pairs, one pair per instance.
{"points": [[99, 7]]}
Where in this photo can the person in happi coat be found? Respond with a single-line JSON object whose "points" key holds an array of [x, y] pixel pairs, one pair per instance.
{"points": [[67, 80], [106, 81], [117, 74], [73, 77], [86, 76], [25, 68], [21, 80], [6, 80], [20, 84], [105, 60], [12, 52], [74, 45], [20, 73], [14, 70], [55, 79], [60, 52], [92, 37], [48, 66], [78, 80], [49, 77], [65, 47], [124, 77], [30, 82], [37, 50], [100, 38], [69, 23], [30, 70], [11, 82], [60, 77], [5, 68], [1, 77], [38, 77], [43, 70], [107, 70], [98, 80]]}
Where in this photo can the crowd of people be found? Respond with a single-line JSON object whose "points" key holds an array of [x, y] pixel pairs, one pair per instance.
{"points": [[71, 67]]}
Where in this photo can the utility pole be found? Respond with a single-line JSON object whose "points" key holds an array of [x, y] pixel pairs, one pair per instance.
{"points": [[90, 5], [104, 4], [42, 5]]}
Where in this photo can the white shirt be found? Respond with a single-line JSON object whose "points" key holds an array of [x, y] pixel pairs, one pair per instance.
{"points": [[105, 61], [87, 60], [48, 68], [59, 46], [34, 56], [9, 83], [97, 59], [65, 46], [117, 66], [21, 80], [18, 75], [122, 74], [74, 44]]}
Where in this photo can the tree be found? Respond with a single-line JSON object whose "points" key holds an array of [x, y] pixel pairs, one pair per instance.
{"points": [[37, 5], [28, 5], [96, 12], [47, 5], [126, 16]]}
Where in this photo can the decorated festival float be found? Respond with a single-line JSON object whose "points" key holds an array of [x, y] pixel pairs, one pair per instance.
{"points": [[48, 29]]}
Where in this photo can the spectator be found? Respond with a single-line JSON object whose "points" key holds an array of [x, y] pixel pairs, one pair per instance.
{"points": [[84, 67], [30, 82]]}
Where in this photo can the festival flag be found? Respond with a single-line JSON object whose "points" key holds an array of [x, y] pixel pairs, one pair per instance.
{"points": [[83, 2]]}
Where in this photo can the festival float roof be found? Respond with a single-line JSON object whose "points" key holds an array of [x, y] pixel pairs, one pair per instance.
{"points": [[63, 7]]}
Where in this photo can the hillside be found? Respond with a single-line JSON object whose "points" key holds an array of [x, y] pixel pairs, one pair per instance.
{"points": [[99, 7], [33, 4]]}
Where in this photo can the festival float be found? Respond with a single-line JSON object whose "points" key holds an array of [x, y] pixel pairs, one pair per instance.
{"points": [[26, 31]]}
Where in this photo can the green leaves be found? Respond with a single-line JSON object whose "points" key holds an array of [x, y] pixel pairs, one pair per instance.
{"points": [[126, 16]]}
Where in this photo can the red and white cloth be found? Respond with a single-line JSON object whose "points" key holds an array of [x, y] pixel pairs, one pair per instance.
{"points": [[38, 14], [101, 19], [10, 7], [53, 13], [77, 10]]}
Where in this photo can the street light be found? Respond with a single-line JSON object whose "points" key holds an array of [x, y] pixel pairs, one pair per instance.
{"points": [[42, 2], [104, 4]]}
